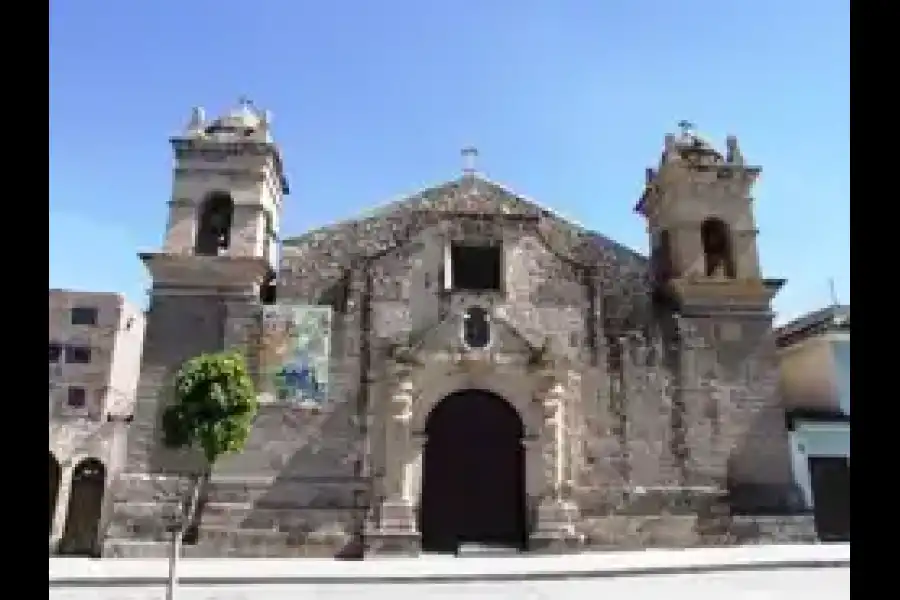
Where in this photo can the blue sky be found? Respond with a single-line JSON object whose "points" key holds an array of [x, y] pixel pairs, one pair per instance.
{"points": [[567, 101]]}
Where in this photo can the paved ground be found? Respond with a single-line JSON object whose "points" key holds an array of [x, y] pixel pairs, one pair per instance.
{"points": [[796, 584], [764, 573]]}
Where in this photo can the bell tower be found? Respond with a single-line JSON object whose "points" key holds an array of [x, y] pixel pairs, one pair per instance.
{"points": [[228, 187], [218, 259], [700, 220], [705, 268]]}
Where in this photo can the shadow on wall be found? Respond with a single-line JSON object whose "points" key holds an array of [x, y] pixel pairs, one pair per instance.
{"points": [[318, 499], [760, 480], [55, 476]]}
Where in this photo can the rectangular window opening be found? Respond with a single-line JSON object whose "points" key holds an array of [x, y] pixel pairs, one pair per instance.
{"points": [[78, 355], [55, 352], [476, 268], [83, 315], [76, 397]]}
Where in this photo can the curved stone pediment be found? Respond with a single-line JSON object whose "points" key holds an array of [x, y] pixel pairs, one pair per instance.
{"points": [[444, 343]]}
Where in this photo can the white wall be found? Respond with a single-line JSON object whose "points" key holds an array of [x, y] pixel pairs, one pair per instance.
{"points": [[840, 346], [808, 376], [813, 440], [799, 572]]}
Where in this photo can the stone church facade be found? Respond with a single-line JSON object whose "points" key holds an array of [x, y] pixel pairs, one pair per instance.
{"points": [[497, 375]]}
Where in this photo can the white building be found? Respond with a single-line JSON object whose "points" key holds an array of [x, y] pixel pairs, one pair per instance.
{"points": [[814, 353], [95, 357]]}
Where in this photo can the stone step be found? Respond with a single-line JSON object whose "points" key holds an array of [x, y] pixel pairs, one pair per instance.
{"points": [[245, 543], [250, 543], [143, 521], [244, 515], [211, 550], [227, 514], [142, 487], [206, 549], [230, 537], [632, 531], [763, 529], [237, 490], [119, 548]]}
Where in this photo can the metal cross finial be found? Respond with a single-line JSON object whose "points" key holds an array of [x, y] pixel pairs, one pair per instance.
{"points": [[833, 292], [469, 155], [245, 102], [686, 127]]}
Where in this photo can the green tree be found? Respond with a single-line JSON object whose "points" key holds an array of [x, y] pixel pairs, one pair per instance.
{"points": [[213, 411], [215, 404]]}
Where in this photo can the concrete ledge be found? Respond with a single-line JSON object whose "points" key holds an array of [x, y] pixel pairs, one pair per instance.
{"points": [[88, 573]]}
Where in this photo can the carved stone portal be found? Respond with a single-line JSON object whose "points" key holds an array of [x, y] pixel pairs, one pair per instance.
{"points": [[413, 393]]}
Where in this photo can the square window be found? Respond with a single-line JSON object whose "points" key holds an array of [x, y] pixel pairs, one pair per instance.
{"points": [[83, 315], [55, 352], [76, 397], [78, 355], [476, 268]]}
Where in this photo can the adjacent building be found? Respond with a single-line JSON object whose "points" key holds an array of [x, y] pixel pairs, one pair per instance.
{"points": [[464, 366], [814, 355], [95, 352]]}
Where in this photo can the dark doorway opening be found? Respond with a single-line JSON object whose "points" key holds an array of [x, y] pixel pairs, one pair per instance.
{"points": [[81, 536], [55, 473], [830, 478], [473, 474]]}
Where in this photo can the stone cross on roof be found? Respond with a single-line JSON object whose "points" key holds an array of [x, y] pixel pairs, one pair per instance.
{"points": [[469, 156], [686, 127]]}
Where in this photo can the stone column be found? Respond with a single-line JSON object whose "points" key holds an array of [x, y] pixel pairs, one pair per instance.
{"points": [[62, 505], [395, 527], [413, 480], [534, 469], [556, 514], [572, 436], [705, 406], [699, 402]]}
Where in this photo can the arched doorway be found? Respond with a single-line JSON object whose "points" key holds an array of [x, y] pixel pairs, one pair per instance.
{"points": [[55, 473], [473, 474], [85, 507]]}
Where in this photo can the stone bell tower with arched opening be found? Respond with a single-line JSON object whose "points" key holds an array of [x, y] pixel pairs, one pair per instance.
{"points": [[219, 254], [700, 215], [704, 264]]}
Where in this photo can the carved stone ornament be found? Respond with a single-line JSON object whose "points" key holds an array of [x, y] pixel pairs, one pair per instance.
{"points": [[403, 358], [402, 400], [551, 407], [539, 359]]}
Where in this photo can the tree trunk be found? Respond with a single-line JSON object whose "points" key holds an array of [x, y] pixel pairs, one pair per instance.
{"points": [[185, 525], [194, 507]]}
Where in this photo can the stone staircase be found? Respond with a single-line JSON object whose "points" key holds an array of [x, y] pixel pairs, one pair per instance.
{"points": [[681, 517], [232, 522]]}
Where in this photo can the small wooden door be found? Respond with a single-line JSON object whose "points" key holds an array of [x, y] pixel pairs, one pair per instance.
{"points": [[830, 477]]}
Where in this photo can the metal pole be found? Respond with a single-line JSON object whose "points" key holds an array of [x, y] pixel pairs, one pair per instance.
{"points": [[174, 551]]}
